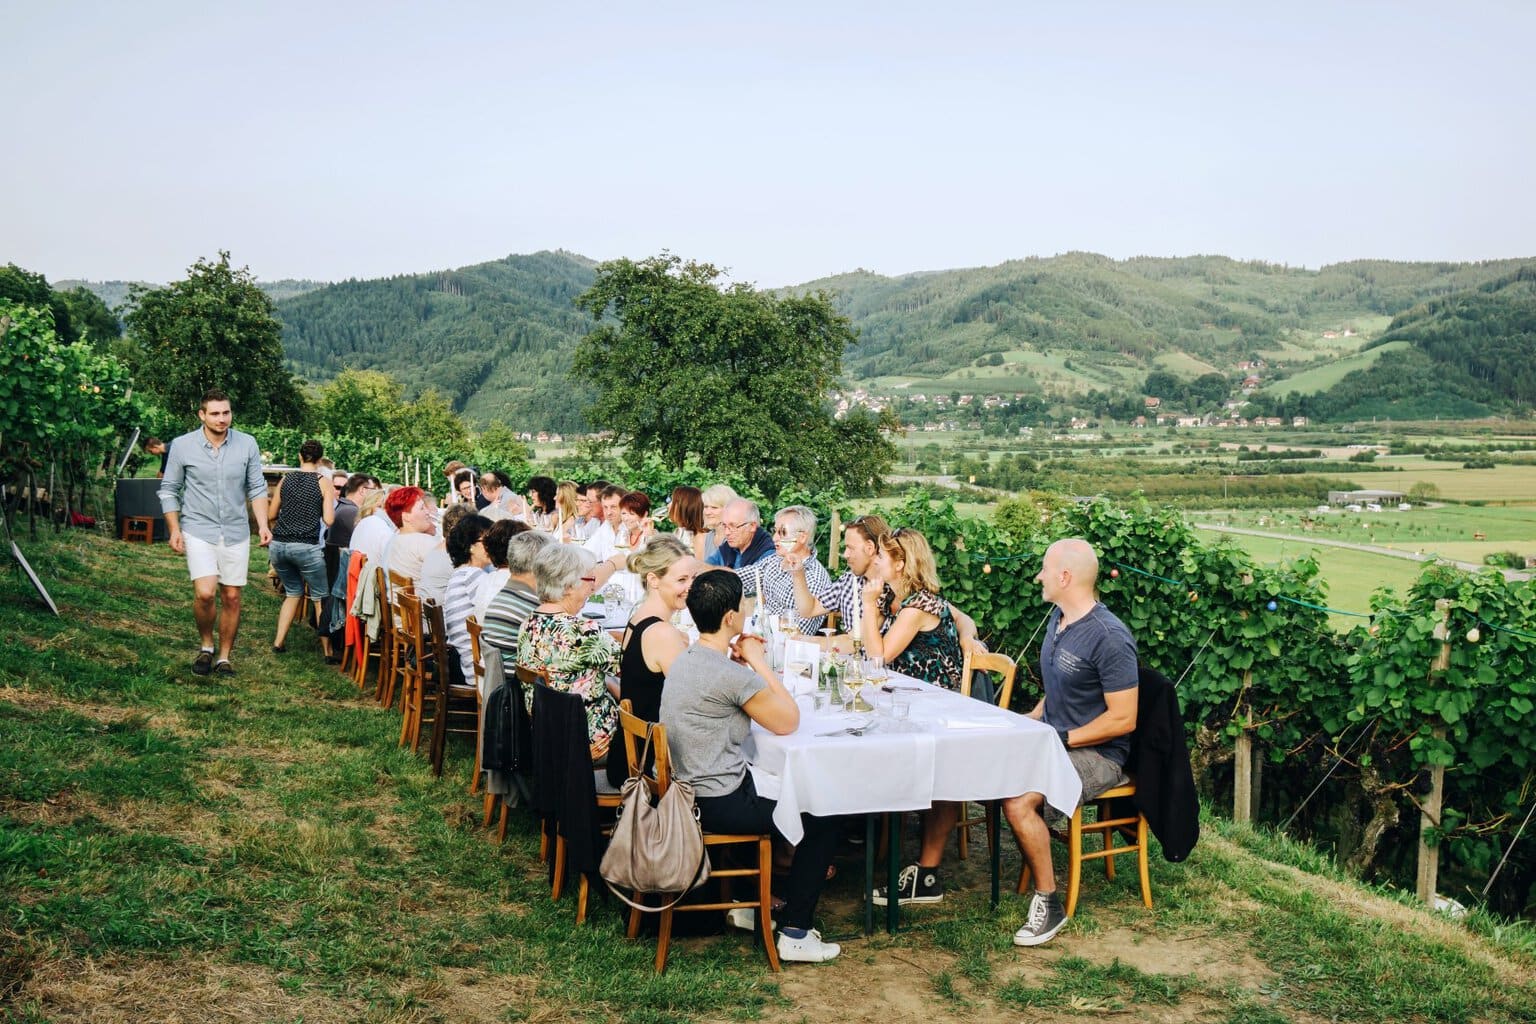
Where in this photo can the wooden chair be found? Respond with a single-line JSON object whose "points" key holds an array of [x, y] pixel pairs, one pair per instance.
{"points": [[526, 678], [472, 627], [393, 652], [553, 796], [450, 707], [1107, 827], [417, 662], [635, 731], [1004, 668]]}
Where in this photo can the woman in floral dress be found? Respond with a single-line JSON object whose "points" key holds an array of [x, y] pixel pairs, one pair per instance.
{"points": [[575, 653], [905, 621]]}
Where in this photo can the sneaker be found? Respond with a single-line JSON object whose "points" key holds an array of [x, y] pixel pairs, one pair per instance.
{"points": [[915, 884], [808, 949], [1046, 918], [203, 663], [745, 918]]}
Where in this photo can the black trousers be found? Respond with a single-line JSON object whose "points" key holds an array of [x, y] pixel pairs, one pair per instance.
{"points": [[744, 811]]}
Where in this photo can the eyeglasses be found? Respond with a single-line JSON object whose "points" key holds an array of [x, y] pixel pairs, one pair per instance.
{"points": [[782, 534], [735, 526]]}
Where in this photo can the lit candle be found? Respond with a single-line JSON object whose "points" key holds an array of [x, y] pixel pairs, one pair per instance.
{"points": [[858, 609]]}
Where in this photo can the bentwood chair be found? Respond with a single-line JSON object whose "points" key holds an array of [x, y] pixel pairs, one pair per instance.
{"points": [[1004, 670], [395, 652], [417, 662], [1108, 827], [635, 731], [472, 627], [568, 799], [450, 707]]}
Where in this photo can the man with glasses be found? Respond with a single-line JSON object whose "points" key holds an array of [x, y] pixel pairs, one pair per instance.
{"points": [[794, 539], [746, 543]]}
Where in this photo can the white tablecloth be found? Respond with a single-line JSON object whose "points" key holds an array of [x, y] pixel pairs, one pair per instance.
{"points": [[951, 748]]}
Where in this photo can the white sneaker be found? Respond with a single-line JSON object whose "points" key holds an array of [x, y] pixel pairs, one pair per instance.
{"points": [[808, 950], [745, 918]]}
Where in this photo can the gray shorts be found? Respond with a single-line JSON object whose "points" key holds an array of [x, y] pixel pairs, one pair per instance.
{"points": [[1097, 773]]}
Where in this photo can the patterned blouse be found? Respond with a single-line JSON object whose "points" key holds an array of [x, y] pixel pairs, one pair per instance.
{"points": [[932, 655], [578, 655]]}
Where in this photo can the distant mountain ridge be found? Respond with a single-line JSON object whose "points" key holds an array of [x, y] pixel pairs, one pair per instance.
{"points": [[497, 337]]}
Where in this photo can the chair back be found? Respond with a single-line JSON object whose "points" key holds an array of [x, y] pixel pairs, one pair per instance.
{"points": [[410, 628], [989, 661], [435, 679], [635, 731], [399, 582], [472, 627]]}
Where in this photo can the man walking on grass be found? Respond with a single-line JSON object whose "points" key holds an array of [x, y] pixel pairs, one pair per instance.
{"points": [[210, 475]]}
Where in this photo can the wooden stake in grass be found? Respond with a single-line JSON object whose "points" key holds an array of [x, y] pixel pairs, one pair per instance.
{"points": [[1242, 762], [1429, 814]]}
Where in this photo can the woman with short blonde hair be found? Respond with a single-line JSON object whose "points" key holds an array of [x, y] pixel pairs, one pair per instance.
{"points": [[715, 498]]}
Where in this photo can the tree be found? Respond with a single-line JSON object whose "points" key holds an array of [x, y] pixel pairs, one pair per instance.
{"points": [[33, 291], [736, 377], [364, 404], [216, 329], [430, 422], [89, 314]]}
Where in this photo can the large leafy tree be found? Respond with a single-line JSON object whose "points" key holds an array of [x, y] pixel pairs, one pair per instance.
{"points": [[361, 403], [735, 377], [214, 329]]}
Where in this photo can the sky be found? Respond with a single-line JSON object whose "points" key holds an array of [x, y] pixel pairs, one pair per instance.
{"points": [[785, 141]]}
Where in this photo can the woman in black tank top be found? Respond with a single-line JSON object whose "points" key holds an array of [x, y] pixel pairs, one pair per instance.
{"points": [[304, 500], [650, 640]]}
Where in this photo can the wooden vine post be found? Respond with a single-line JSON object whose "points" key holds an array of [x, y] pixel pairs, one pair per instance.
{"points": [[1242, 751], [1429, 810], [1242, 763], [834, 538]]}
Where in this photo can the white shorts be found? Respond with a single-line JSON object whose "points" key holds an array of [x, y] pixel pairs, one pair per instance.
{"points": [[229, 562]]}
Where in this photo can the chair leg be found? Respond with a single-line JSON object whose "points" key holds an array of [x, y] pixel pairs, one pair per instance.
{"points": [[581, 899], [559, 883], [765, 900], [1109, 844], [964, 842], [663, 940], [501, 829], [1074, 860], [1141, 862], [1024, 880], [490, 809], [633, 929]]}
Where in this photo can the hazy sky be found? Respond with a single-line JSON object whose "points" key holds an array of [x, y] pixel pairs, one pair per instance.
{"points": [[784, 140]]}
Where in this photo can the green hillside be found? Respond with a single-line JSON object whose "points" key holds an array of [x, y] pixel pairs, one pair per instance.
{"points": [[1469, 353], [496, 338]]}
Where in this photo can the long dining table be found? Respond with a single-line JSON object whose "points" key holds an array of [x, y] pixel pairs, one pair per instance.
{"points": [[950, 747]]}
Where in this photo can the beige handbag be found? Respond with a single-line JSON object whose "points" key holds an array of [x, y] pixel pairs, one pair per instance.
{"points": [[657, 845]]}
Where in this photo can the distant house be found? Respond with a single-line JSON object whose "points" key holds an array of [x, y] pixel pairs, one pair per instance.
{"points": [[1152, 403], [1298, 421], [1330, 334], [1252, 381], [966, 399], [1191, 421], [1139, 421]]}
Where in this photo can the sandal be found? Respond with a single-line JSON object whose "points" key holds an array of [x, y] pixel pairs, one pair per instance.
{"points": [[223, 668], [279, 648], [203, 663]]}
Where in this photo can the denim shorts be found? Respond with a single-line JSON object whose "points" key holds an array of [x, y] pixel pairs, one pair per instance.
{"points": [[299, 564]]}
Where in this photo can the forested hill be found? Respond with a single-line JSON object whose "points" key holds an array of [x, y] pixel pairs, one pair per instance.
{"points": [[114, 293], [496, 338], [1466, 354], [1118, 317]]}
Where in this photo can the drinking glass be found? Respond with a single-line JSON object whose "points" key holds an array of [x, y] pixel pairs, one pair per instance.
{"points": [[874, 669]]}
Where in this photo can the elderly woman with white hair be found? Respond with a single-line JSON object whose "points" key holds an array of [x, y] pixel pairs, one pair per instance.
{"points": [[574, 653]]}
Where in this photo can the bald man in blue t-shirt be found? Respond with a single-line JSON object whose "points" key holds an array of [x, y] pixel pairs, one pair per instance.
{"points": [[1088, 665]]}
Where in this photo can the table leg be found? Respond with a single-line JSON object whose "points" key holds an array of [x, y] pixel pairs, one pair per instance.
{"points": [[893, 869], [995, 833], [869, 873]]}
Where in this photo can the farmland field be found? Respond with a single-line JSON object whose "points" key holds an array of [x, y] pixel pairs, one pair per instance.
{"points": [[1324, 377]]}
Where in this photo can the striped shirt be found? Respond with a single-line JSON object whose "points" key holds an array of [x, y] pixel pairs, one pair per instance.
{"points": [[458, 602], [505, 615]]}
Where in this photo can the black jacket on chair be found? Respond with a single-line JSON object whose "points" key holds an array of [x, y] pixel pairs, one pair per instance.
{"points": [[1165, 783], [564, 783]]}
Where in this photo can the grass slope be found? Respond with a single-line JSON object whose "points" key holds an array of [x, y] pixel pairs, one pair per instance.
{"points": [[258, 848]]}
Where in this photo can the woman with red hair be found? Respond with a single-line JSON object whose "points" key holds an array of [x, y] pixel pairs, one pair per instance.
{"points": [[410, 509], [635, 527]]}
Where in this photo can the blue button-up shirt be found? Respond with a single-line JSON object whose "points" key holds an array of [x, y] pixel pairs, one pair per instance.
{"points": [[210, 486]]}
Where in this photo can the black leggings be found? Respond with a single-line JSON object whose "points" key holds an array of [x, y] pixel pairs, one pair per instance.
{"points": [[745, 812]]}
